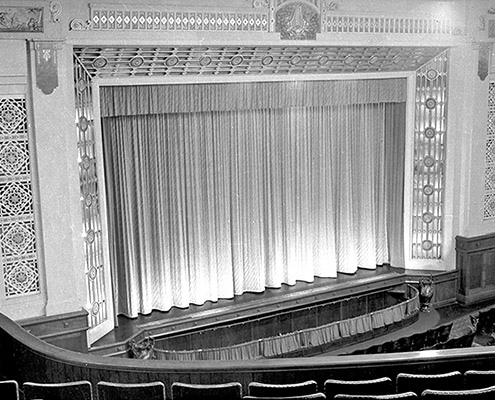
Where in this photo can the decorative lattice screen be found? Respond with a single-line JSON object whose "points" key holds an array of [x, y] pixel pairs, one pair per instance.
{"points": [[17, 226], [93, 244], [429, 158], [489, 201]]}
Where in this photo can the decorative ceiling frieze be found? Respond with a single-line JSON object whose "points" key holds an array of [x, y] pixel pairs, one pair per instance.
{"points": [[294, 20], [121, 61]]}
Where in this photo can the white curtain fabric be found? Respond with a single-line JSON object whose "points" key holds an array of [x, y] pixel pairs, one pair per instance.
{"points": [[208, 205]]}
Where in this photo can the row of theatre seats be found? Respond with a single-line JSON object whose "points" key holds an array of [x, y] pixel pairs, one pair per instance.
{"points": [[471, 384], [433, 339], [482, 327]]}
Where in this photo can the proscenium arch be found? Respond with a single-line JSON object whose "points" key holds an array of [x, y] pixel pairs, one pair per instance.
{"points": [[96, 66]]}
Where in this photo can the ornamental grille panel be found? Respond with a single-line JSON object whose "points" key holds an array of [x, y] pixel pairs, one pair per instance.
{"points": [[429, 160], [93, 246], [391, 24], [489, 200], [17, 227], [104, 19]]}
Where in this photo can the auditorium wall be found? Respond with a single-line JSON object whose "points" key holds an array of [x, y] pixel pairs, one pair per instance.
{"points": [[60, 267]]}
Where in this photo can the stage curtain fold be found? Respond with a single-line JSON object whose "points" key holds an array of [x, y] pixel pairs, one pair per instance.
{"points": [[207, 205]]}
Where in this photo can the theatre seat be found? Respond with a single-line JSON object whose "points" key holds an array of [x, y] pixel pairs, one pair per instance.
{"points": [[404, 344], [475, 394], [379, 386], [417, 383], [313, 396], [394, 396], [127, 391], [444, 332], [221, 391], [9, 390], [478, 379], [418, 341], [258, 389], [80, 390], [486, 321]]}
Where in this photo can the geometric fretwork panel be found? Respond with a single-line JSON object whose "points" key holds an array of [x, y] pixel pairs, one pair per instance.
{"points": [[14, 158], [490, 178], [93, 242], [17, 227], [13, 117], [429, 158], [21, 277], [18, 238], [489, 202], [489, 206], [124, 19], [490, 151]]}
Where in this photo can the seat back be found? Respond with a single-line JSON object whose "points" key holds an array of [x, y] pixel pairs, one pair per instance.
{"points": [[9, 390], [417, 341], [404, 344], [129, 391], [474, 394], [486, 321], [431, 337], [478, 379], [389, 347], [394, 396], [444, 332], [80, 390], [312, 396], [417, 383], [222, 391], [378, 386], [259, 389]]}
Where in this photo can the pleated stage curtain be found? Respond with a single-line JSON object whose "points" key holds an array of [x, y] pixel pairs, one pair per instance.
{"points": [[237, 195]]}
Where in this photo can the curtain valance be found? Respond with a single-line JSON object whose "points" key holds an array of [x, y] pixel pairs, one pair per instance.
{"points": [[181, 98]]}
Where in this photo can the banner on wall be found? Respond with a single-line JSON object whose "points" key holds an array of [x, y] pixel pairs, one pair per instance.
{"points": [[46, 66]]}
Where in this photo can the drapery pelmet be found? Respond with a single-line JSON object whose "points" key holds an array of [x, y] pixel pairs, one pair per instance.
{"points": [[208, 204]]}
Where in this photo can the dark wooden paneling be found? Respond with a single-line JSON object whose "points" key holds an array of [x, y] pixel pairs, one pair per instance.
{"points": [[264, 327], [445, 287], [304, 319], [64, 330], [489, 259], [475, 259], [328, 313], [376, 301], [284, 322], [475, 270]]}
